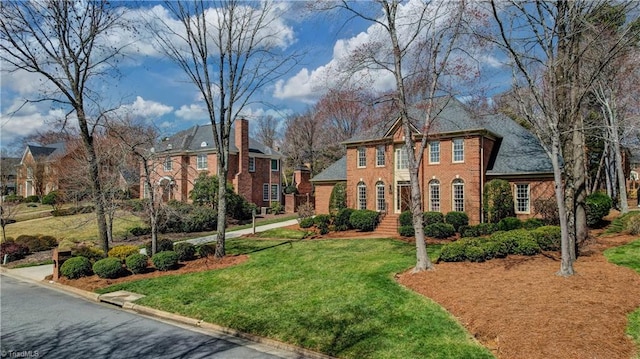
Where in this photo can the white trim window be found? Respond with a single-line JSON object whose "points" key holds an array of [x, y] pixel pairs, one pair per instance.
{"points": [[362, 157], [168, 164], [275, 165], [434, 152], [402, 159], [458, 150], [252, 164], [201, 161], [523, 196], [434, 195], [362, 195], [380, 156], [275, 192], [458, 195], [265, 192], [381, 204]]}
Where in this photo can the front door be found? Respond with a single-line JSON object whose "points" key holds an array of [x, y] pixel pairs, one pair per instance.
{"points": [[403, 196]]}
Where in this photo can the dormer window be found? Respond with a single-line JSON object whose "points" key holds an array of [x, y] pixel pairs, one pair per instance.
{"points": [[169, 146]]}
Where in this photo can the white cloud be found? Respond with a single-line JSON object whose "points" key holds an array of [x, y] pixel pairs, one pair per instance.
{"points": [[193, 112], [21, 120], [142, 108]]}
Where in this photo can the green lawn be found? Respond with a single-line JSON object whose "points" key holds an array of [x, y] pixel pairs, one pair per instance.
{"points": [[283, 233], [628, 255], [333, 296]]}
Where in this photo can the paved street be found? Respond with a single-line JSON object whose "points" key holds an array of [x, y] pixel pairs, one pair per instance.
{"points": [[41, 322]]}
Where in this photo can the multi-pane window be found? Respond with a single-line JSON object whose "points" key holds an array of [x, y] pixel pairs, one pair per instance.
{"points": [[522, 198], [380, 156], [362, 196], [434, 196], [168, 164], [434, 152], [458, 150], [458, 195], [252, 164], [29, 172], [380, 201], [274, 165], [273, 192], [362, 157], [201, 161], [402, 159]]}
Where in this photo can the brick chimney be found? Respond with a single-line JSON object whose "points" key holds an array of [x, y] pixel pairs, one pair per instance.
{"points": [[302, 176], [242, 182]]}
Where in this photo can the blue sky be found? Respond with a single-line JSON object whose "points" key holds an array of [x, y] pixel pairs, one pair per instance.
{"points": [[157, 90]]}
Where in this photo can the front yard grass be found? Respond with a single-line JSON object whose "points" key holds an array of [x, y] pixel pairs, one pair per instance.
{"points": [[628, 255], [338, 297]]}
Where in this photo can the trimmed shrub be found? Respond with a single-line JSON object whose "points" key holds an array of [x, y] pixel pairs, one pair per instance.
{"points": [[509, 239], [37, 243], [165, 261], [123, 251], [407, 231], [32, 199], [341, 220], [140, 231], [474, 253], [509, 223], [92, 253], [276, 207], [439, 230], [598, 205], [494, 249], [186, 251], [76, 267], [527, 247], [633, 225], [364, 220], [13, 250], [469, 231], [456, 219], [200, 219], [453, 252], [547, 237], [48, 241], [323, 228], [432, 217], [110, 268], [322, 220], [137, 263], [497, 200], [486, 228], [338, 198], [13, 198], [53, 199], [206, 250], [532, 223], [306, 222], [406, 219], [162, 246]]}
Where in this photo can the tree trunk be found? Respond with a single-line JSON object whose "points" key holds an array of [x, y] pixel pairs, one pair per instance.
{"points": [[566, 263], [220, 251], [422, 258]]}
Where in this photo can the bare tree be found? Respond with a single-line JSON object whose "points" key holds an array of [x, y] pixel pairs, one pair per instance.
{"points": [[267, 131], [545, 43], [8, 212], [420, 50], [66, 43], [229, 50]]}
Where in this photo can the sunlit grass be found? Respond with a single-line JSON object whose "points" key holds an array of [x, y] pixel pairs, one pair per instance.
{"points": [[338, 297]]}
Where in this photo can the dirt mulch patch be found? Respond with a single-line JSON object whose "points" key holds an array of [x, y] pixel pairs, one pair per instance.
{"points": [[202, 264], [519, 308]]}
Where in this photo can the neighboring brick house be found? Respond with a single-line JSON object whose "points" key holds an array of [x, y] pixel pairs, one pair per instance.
{"points": [[254, 169], [36, 172], [8, 174], [463, 153]]}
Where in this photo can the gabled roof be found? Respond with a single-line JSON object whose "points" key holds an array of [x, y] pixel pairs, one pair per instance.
{"points": [[199, 138], [517, 151], [47, 151]]}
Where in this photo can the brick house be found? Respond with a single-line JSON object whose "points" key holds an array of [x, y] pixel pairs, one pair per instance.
{"points": [[8, 175], [464, 152], [36, 173], [254, 169]]}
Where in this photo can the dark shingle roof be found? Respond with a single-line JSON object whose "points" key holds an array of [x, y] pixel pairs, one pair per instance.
{"points": [[200, 137], [336, 172], [47, 151]]}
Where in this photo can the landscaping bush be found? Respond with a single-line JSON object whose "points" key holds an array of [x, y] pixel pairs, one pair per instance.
{"points": [[457, 219], [186, 251], [140, 231], [532, 223], [341, 220], [13, 250], [162, 246], [494, 249], [323, 228], [13, 198], [306, 222], [338, 198], [474, 253], [32, 199], [123, 251], [486, 228], [53, 199], [547, 209], [508, 238], [598, 205], [432, 217], [72, 211], [200, 219], [547, 237], [407, 231], [453, 252], [497, 200], [276, 208], [136, 205], [137, 263], [37, 243], [364, 220], [206, 250], [440, 230], [48, 241], [322, 220], [633, 225], [92, 253], [165, 261], [110, 268], [306, 210], [469, 231], [527, 247], [76, 267], [406, 218], [509, 223]]}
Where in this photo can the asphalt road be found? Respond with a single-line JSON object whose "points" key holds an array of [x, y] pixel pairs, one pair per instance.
{"points": [[41, 322]]}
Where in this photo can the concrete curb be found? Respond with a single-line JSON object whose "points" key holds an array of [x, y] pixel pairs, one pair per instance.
{"points": [[171, 317]]}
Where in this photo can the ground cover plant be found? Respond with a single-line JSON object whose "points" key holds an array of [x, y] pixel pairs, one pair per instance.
{"points": [[334, 296]]}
